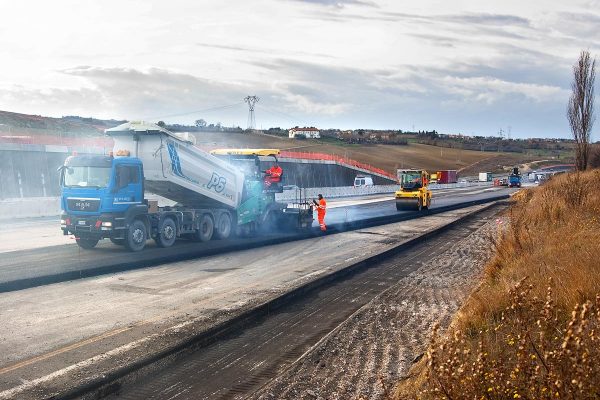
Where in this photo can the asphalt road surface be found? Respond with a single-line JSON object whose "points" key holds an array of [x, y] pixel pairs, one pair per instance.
{"points": [[43, 265], [57, 336]]}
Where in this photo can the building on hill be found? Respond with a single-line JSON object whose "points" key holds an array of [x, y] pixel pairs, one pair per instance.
{"points": [[309, 133]]}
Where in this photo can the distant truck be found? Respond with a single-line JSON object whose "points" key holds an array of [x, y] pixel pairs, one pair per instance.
{"points": [[363, 181], [103, 196], [514, 179], [447, 176], [485, 177]]}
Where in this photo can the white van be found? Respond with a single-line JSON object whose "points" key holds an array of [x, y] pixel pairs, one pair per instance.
{"points": [[363, 181]]}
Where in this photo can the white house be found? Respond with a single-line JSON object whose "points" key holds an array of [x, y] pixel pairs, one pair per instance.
{"points": [[310, 133]]}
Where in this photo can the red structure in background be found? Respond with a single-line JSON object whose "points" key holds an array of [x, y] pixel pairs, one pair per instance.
{"points": [[333, 157]]}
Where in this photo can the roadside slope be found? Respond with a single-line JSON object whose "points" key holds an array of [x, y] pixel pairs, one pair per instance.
{"points": [[530, 330]]}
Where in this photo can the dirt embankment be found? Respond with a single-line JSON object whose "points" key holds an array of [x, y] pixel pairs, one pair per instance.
{"points": [[530, 330], [366, 355]]}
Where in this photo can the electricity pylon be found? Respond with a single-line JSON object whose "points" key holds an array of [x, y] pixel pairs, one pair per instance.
{"points": [[251, 100]]}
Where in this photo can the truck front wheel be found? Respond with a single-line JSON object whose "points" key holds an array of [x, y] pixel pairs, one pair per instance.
{"points": [[136, 236], [167, 233], [86, 243]]}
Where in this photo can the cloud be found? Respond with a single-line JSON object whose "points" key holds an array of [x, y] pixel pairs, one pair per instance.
{"points": [[152, 93], [486, 19], [339, 3]]}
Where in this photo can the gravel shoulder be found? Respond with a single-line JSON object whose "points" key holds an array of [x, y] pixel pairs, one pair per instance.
{"points": [[372, 349]]}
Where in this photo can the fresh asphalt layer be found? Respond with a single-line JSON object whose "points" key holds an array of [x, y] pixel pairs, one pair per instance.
{"points": [[65, 339], [46, 265]]}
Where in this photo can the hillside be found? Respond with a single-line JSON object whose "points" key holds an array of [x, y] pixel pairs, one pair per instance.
{"points": [[15, 123], [387, 157], [530, 329]]}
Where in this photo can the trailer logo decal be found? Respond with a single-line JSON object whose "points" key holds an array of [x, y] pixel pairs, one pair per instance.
{"points": [[217, 182], [176, 164]]}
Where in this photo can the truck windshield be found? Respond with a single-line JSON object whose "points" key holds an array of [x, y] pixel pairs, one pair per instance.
{"points": [[86, 176], [410, 180]]}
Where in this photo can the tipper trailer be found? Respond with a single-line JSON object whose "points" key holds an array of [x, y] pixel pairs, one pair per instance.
{"points": [[104, 196]]}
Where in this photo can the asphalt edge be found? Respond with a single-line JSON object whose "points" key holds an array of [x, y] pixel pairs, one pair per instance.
{"points": [[27, 283], [109, 383]]}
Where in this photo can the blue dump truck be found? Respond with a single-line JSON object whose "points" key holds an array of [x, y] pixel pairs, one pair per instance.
{"points": [[104, 196], [514, 179]]}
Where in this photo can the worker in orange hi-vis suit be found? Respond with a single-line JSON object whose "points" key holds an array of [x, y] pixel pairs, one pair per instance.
{"points": [[321, 207], [273, 175]]}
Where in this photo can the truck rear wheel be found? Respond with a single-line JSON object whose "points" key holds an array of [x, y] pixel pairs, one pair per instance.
{"points": [[136, 236], [86, 243], [167, 233], [224, 227], [205, 230]]}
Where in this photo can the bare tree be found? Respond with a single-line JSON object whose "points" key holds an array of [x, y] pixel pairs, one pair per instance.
{"points": [[580, 110]]}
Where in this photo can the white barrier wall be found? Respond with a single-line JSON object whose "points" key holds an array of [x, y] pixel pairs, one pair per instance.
{"points": [[436, 186], [331, 192], [29, 207]]}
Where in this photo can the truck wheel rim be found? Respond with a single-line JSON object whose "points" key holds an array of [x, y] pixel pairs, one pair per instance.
{"points": [[137, 235], [168, 232]]}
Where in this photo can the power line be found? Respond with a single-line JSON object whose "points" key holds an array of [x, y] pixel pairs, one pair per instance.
{"points": [[193, 112], [274, 112]]}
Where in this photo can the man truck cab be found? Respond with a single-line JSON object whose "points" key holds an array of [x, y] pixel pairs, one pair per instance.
{"points": [[100, 194]]}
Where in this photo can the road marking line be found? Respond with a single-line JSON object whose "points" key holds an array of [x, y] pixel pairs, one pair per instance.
{"points": [[63, 350]]}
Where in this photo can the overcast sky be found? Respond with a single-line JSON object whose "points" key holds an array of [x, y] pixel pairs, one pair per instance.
{"points": [[467, 66]]}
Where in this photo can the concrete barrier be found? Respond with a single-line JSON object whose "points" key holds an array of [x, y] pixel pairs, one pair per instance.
{"points": [[439, 186], [332, 192], [29, 207]]}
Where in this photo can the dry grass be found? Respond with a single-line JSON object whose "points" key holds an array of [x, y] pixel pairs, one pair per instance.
{"points": [[387, 157], [531, 329]]}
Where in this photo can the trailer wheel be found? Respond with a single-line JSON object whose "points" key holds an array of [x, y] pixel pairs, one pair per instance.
{"points": [[224, 227], [167, 233], [205, 230], [136, 235], [86, 243]]}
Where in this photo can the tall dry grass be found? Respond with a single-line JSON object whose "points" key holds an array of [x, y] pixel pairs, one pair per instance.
{"points": [[531, 329]]}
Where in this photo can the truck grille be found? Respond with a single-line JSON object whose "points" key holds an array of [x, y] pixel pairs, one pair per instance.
{"points": [[75, 204]]}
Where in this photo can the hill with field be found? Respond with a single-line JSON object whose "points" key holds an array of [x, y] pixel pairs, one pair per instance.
{"points": [[387, 157], [383, 156]]}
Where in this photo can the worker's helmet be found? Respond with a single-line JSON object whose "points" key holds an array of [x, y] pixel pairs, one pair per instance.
{"points": [[320, 196]]}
